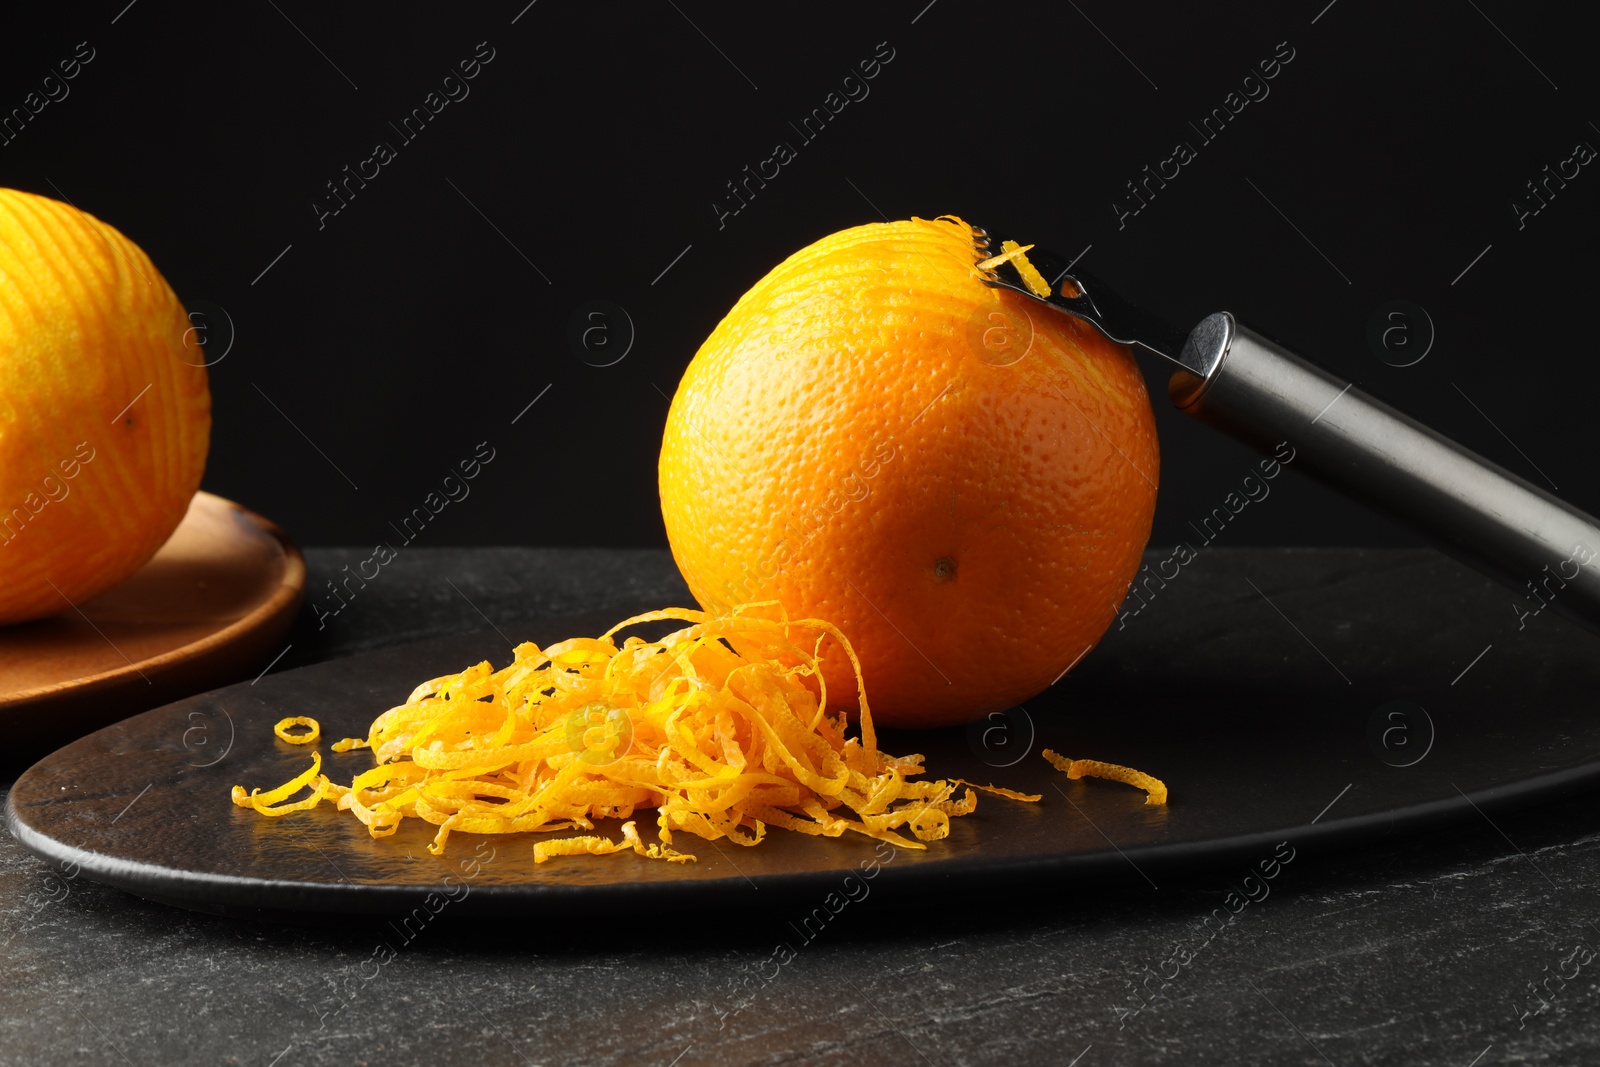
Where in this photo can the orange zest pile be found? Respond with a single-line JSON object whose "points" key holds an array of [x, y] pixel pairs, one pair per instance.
{"points": [[720, 726], [1155, 788]]}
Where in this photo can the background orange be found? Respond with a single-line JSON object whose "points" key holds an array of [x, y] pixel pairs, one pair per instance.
{"points": [[105, 414]]}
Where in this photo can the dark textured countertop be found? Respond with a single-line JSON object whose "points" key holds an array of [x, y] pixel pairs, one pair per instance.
{"points": [[1471, 946]]}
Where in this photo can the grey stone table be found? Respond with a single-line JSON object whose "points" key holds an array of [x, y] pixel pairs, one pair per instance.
{"points": [[1440, 949]]}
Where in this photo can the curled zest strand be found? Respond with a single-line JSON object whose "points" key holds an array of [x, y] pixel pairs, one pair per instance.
{"points": [[1012, 251], [1009, 794], [1017, 256], [1029, 272], [268, 803], [1155, 788], [284, 725]]}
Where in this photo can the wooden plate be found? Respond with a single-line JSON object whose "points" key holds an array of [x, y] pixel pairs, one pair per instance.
{"points": [[209, 608]]}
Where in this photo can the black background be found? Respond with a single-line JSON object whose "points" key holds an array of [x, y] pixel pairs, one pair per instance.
{"points": [[418, 321]]}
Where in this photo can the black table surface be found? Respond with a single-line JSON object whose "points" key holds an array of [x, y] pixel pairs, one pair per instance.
{"points": [[1474, 945]]}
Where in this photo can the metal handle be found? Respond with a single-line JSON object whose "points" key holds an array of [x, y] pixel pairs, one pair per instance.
{"points": [[1544, 549]]}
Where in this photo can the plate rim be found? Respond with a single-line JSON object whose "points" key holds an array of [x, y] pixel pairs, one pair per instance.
{"points": [[268, 897]]}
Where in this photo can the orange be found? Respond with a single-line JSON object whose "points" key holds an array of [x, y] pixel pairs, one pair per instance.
{"points": [[105, 414], [959, 478]]}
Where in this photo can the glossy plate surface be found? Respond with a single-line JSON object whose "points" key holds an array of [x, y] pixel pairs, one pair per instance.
{"points": [[1309, 698]]}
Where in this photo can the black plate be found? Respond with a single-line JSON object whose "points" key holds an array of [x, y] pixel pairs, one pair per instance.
{"points": [[1314, 697]]}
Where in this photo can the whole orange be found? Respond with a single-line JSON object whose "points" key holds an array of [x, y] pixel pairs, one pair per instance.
{"points": [[958, 477], [105, 414]]}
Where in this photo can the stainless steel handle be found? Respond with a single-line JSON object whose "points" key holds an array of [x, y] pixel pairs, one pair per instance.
{"points": [[1545, 550]]}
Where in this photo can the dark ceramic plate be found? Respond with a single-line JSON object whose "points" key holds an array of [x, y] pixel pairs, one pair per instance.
{"points": [[1287, 698]]}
